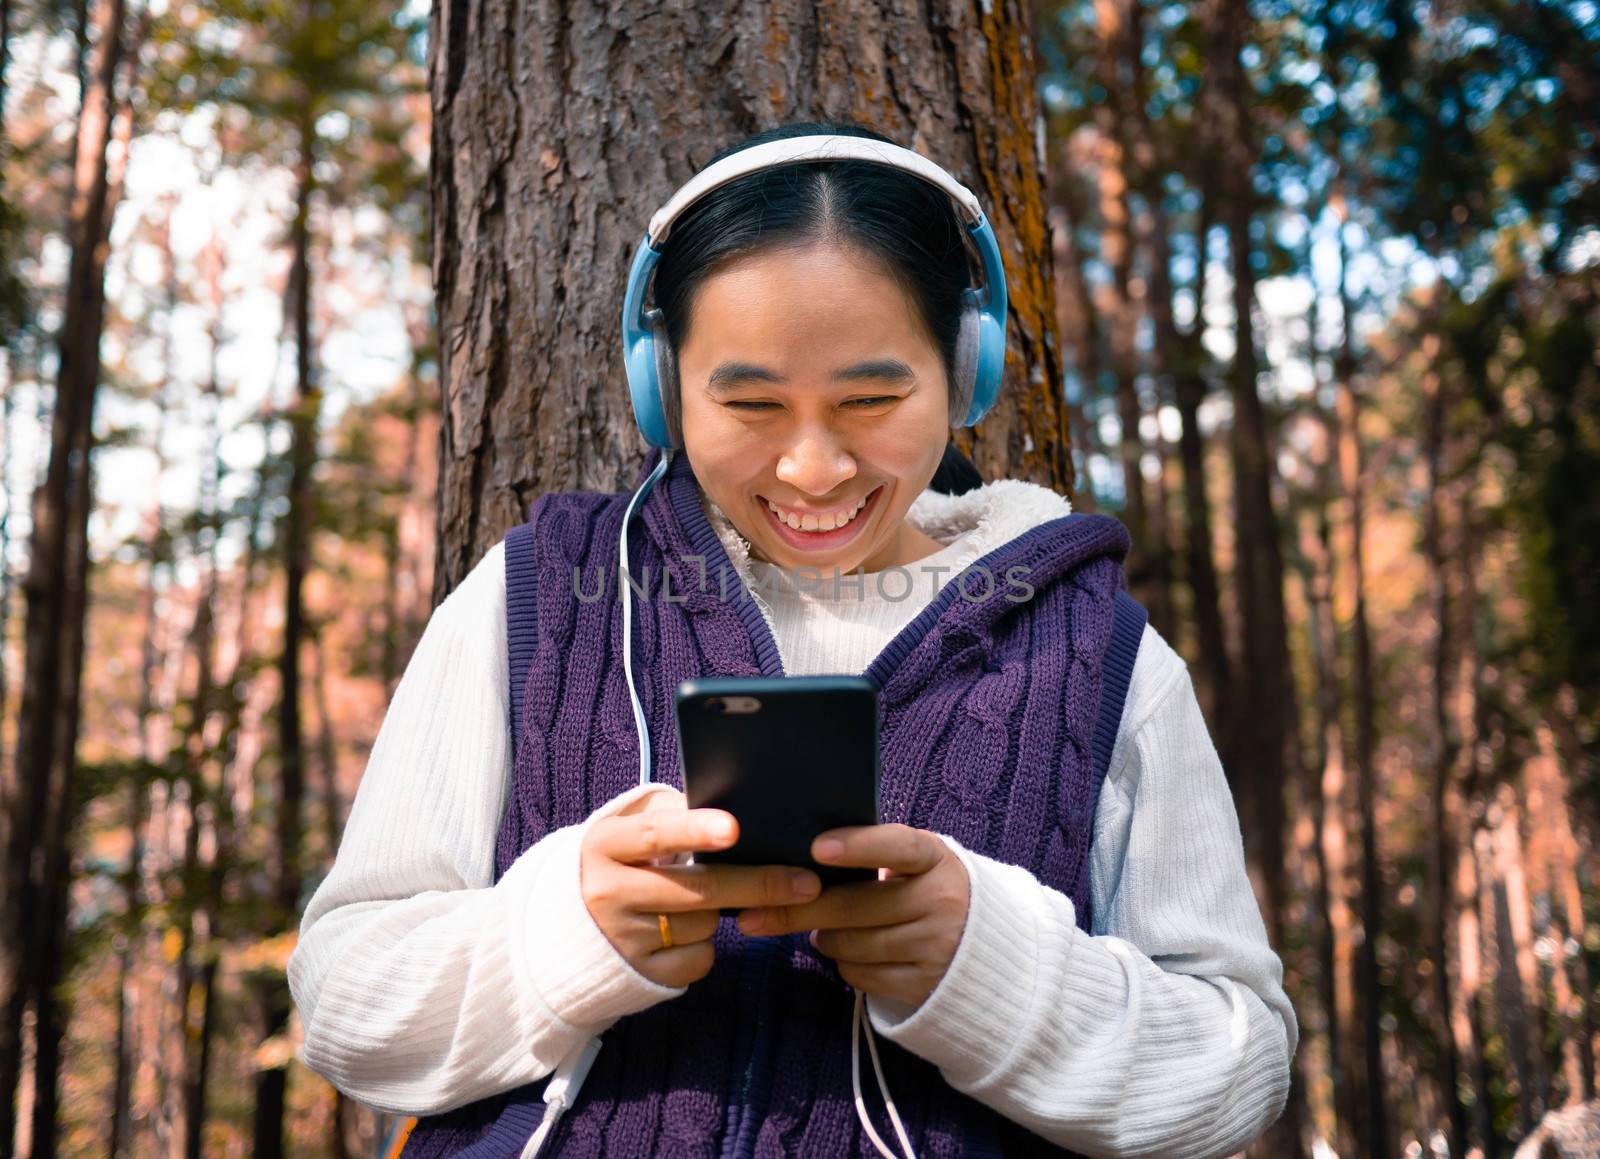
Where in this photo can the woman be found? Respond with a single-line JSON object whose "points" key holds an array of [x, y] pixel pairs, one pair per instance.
{"points": [[1064, 952]]}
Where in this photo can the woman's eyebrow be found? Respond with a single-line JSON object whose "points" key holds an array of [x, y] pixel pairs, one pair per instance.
{"points": [[732, 375]]}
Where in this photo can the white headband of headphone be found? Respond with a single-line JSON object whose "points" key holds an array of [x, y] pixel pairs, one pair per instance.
{"points": [[815, 148]]}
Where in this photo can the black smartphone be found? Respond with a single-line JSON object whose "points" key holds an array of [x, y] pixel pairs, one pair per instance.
{"points": [[789, 756]]}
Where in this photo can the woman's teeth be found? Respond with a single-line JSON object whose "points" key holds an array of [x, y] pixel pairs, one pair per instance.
{"points": [[826, 522]]}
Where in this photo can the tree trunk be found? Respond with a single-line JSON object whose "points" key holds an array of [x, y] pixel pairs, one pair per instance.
{"points": [[1264, 757], [1467, 1017], [126, 1052], [536, 214], [1552, 881], [197, 1069], [8, 458], [1521, 998], [1447, 738], [1265, 753], [195, 1081], [1113, 29], [1468, 1014], [1147, 173], [1189, 390], [1075, 312], [327, 748], [1374, 1122], [271, 1078], [1335, 932], [41, 792]]}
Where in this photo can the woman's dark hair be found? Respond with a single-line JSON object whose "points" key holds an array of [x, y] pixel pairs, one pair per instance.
{"points": [[904, 222], [956, 474]]}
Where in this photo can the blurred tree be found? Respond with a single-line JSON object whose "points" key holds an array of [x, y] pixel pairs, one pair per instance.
{"points": [[157, 551], [301, 72], [40, 794]]}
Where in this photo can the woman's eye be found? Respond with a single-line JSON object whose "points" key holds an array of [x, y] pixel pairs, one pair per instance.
{"points": [[858, 403]]}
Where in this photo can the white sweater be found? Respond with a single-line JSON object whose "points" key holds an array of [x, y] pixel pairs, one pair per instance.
{"points": [[1166, 1030]]}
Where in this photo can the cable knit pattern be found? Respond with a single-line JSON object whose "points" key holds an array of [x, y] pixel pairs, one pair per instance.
{"points": [[426, 979]]}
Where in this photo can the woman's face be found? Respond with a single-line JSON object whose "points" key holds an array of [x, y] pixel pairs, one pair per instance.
{"points": [[810, 385]]}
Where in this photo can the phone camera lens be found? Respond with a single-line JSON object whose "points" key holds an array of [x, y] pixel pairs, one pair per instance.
{"points": [[714, 704]]}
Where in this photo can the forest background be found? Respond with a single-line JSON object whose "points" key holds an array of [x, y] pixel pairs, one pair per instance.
{"points": [[1307, 292]]}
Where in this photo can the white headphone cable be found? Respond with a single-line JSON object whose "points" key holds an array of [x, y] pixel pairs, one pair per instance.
{"points": [[561, 1092], [627, 618], [858, 1019]]}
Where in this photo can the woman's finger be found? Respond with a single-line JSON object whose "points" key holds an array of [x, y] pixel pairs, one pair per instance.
{"points": [[896, 980], [642, 936], [640, 838], [863, 903], [876, 945], [675, 889], [684, 929], [678, 966], [897, 848]]}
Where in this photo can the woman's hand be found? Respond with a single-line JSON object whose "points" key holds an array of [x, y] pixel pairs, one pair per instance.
{"points": [[892, 938], [628, 896]]}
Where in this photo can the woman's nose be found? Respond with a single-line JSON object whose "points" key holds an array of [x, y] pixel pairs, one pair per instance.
{"points": [[815, 465]]}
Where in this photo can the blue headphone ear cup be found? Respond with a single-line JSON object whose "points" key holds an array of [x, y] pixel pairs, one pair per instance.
{"points": [[666, 380], [644, 388], [964, 383], [990, 343]]}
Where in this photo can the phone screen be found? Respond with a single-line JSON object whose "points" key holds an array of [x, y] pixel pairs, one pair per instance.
{"points": [[788, 756]]}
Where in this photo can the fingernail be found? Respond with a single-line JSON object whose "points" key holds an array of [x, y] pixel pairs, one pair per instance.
{"points": [[722, 829], [829, 848], [805, 884], [752, 921]]}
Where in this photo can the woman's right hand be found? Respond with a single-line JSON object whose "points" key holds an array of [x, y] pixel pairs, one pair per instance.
{"points": [[628, 891]]}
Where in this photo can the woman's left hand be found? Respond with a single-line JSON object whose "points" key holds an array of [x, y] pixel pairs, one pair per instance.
{"points": [[893, 938]]}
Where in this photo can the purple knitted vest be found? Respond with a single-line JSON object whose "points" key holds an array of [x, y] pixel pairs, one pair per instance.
{"points": [[993, 732]]}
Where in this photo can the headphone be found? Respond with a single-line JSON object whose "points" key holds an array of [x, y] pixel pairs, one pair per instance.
{"points": [[652, 366], [981, 342]]}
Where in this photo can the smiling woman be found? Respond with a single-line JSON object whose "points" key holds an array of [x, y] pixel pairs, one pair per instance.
{"points": [[1061, 949]]}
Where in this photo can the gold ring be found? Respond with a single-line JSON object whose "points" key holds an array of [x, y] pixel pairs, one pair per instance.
{"points": [[666, 931]]}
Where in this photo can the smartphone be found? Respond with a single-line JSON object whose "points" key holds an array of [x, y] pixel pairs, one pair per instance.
{"points": [[789, 756]]}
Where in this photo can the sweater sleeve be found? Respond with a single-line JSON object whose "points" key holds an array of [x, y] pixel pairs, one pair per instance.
{"points": [[1165, 1031], [421, 986]]}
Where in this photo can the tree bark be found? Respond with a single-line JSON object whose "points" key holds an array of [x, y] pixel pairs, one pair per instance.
{"points": [[557, 134]]}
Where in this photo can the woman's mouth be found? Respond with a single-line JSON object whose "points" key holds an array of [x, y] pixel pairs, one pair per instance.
{"points": [[820, 531]]}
